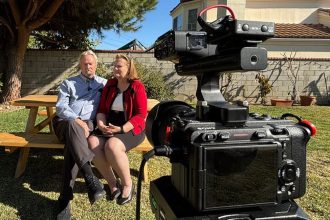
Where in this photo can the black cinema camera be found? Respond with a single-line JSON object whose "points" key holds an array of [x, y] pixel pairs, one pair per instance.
{"points": [[227, 163]]}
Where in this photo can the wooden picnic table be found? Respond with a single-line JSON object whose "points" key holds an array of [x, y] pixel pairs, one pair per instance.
{"points": [[33, 138], [34, 103]]}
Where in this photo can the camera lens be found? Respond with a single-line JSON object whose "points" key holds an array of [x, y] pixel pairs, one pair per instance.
{"points": [[254, 59]]}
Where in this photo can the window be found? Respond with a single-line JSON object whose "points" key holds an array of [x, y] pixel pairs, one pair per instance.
{"points": [[192, 20], [177, 23]]}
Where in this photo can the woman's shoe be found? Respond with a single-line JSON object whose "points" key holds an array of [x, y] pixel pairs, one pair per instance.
{"points": [[115, 194], [121, 200]]}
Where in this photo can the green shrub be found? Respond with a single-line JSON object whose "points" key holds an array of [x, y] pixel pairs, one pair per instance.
{"points": [[155, 84], [151, 77], [103, 70]]}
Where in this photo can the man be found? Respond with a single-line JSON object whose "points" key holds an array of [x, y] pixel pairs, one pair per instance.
{"points": [[76, 108]]}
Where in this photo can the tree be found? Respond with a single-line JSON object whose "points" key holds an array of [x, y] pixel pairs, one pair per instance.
{"points": [[292, 73], [58, 24]]}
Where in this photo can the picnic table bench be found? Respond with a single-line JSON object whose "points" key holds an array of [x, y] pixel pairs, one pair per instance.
{"points": [[32, 138]]}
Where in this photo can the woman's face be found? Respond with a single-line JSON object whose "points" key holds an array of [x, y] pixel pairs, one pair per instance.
{"points": [[120, 69]]}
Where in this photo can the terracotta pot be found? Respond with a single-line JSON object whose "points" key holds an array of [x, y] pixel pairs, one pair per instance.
{"points": [[281, 102], [307, 100]]}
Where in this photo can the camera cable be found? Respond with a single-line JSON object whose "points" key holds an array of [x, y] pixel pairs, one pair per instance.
{"points": [[163, 150], [302, 122]]}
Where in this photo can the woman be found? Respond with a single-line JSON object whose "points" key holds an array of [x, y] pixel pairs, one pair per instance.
{"points": [[121, 123]]}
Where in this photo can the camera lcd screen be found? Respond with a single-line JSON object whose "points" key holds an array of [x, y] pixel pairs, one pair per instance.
{"points": [[240, 175]]}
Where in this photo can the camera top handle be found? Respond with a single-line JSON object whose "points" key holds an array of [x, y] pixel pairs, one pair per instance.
{"points": [[210, 27], [222, 46]]}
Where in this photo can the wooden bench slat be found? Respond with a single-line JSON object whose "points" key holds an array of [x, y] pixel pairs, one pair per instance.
{"points": [[25, 141], [47, 141], [21, 140]]}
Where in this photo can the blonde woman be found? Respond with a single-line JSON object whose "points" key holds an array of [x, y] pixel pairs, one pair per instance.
{"points": [[121, 123]]}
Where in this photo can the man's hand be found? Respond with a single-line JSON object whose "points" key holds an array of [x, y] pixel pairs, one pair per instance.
{"points": [[83, 125]]}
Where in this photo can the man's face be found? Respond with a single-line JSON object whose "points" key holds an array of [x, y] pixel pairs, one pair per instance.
{"points": [[88, 66]]}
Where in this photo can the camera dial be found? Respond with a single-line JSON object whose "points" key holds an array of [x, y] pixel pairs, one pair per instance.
{"points": [[289, 171]]}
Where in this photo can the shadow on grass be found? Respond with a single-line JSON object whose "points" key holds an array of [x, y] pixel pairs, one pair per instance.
{"points": [[25, 194], [22, 193], [43, 174]]}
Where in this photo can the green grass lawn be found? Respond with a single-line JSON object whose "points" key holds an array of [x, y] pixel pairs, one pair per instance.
{"points": [[34, 195]]}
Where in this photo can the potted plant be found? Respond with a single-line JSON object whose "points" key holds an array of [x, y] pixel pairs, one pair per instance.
{"points": [[292, 72], [306, 99], [281, 102], [264, 87]]}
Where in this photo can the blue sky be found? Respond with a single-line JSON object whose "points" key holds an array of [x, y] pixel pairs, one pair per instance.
{"points": [[156, 23]]}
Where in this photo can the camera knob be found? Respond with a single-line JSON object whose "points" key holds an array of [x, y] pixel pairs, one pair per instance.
{"points": [[264, 28], [277, 130], [209, 136], [245, 27], [260, 134], [224, 136]]}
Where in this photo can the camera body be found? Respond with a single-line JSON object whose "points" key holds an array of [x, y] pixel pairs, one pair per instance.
{"points": [[217, 167], [222, 156]]}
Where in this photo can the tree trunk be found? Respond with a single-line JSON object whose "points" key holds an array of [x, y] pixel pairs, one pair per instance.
{"points": [[14, 52]]}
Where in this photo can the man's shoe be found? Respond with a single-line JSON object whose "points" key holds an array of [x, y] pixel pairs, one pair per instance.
{"points": [[95, 189], [64, 213]]}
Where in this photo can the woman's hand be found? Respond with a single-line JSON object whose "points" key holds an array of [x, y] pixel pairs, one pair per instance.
{"points": [[115, 129], [110, 130], [106, 130]]}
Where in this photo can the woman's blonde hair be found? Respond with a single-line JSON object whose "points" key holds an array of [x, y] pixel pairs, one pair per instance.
{"points": [[132, 72]]}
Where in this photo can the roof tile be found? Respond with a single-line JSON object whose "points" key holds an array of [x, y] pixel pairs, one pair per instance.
{"points": [[302, 31]]}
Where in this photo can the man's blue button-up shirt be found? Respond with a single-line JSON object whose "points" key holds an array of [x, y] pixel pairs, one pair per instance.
{"points": [[79, 97]]}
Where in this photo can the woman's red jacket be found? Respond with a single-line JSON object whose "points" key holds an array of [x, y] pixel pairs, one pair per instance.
{"points": [[135, 103]]}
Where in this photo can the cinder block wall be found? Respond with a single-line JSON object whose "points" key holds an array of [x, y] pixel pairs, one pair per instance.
{"points": [[45, 68]]}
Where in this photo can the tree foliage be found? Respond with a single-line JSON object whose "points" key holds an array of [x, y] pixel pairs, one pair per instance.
{"points": [[59, 24], [72, 24]]}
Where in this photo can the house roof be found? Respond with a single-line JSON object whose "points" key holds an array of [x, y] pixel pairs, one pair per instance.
{"points": [[317, 31], [325, 10], [133, 45], [313, 31]]}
